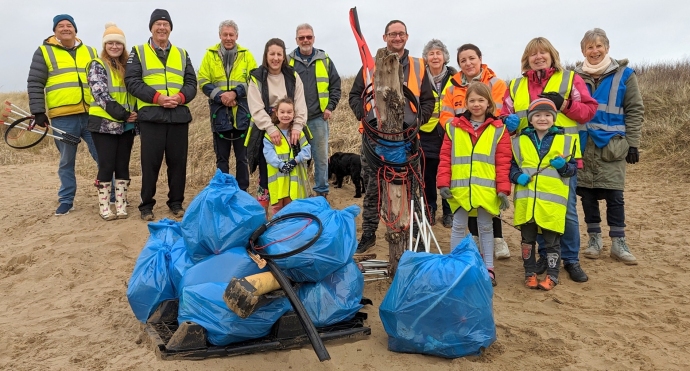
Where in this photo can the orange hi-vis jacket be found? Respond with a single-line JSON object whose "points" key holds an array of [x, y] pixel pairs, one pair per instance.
{"points": [[454, 99], [412, 77]]}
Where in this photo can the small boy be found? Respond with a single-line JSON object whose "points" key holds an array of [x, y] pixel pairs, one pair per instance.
{"points": [[542, 162]]}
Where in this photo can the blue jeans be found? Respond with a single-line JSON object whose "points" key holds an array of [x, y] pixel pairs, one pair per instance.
{"points": [[319, 152], [75, 125], [570, 240]]}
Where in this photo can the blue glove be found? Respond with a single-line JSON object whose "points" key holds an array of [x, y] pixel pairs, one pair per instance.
{"points": [[523, 179], [512, 122], [557, 162]]}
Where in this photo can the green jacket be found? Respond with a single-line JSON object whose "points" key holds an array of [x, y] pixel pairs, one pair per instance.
{"points": [[605, 167]]}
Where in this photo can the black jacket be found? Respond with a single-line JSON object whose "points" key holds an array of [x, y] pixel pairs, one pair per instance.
{"points": [[307, 72], [431, 142], [136, 86], [426, 96]]}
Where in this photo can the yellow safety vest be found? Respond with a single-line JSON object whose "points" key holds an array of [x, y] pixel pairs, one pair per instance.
{"points": [[117, 90], [286, 185], [67, 84], [321, 71], [519, 93], [473, 169], [166, 79], [212, 71], [433, 121], [545, 198]]}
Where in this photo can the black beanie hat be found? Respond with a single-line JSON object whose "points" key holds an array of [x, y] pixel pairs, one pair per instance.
{"points": [[160, 15]]}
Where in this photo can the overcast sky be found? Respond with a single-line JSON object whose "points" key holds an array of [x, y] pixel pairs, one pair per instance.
{"points": [[640, 30]]}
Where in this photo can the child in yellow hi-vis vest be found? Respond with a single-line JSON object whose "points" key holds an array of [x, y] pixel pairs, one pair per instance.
{"points": [[542, 163], [285, 178]]}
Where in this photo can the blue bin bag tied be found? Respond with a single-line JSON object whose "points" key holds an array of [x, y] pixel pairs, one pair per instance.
{"points": [[233, 263], [331, 251], [203, 304], [440, 304], [393, 151], [158, 269], [220, 217], [336, 298]]}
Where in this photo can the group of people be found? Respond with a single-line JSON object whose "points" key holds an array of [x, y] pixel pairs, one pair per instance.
{"points": [[573, 133], [545, 137], [108, 98]]}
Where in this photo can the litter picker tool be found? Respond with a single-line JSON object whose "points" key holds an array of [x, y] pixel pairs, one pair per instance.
{"points": [[23, 132]]}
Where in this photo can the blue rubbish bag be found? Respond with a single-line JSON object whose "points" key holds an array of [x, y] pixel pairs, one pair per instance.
{"points": [[158, 268], [203, 304], [220, 217], [440, 304], [233, 263], [336, 298], [331, 251]]}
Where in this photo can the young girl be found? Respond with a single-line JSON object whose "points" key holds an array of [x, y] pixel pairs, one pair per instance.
{"points": [[474, 168], [543, 160], [285, 178]]}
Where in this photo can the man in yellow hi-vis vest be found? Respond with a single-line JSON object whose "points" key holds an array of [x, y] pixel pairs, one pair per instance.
{"points": [[162, 78], [57, 81], [322, 94]]}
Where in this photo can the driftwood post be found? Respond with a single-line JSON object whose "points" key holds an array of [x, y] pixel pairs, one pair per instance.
{"points": [[388, 77]]}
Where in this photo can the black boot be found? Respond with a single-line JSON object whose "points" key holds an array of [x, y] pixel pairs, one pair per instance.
{"points": [[576, 273], [541, 265], [368, 240], [448, 220]]}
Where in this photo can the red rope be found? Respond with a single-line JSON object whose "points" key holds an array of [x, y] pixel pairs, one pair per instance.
{"points": [[286, 238]]}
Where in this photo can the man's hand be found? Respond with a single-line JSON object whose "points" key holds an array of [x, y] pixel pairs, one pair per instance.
{"points": [[294, 136], [41, 120], [275, 137], [327, 114], [169, 102], [228, 98]]}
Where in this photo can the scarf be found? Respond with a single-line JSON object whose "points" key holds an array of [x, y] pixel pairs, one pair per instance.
{"points": [[464, 81], [438, 79], [596, 69], [229, 56]]}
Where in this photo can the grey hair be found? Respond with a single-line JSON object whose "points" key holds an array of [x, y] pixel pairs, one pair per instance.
{"points": [[304, 26], [436, 44], [592, 35], [228, 23]]}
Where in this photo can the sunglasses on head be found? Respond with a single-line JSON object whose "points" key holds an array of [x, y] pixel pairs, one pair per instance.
{"points": [[308, 37]]}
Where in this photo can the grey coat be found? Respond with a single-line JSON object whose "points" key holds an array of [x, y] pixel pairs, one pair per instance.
{"points": [[605, 167]]}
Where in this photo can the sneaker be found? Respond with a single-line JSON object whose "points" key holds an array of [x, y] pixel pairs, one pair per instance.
{"points": [[548, 283], [594, 246], [501, 249], [541, 265], [177, 211], [531, 281], [64, 209], [621, 252], [147, 215], [448, 220], [575, 271], [492, 275], [368, 240]]}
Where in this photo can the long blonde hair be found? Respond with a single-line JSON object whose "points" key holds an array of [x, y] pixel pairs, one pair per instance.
{"points": [[117, 65], [541, 43]]}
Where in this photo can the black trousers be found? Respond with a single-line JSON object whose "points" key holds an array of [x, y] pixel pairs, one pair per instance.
{"points": [[159, 140], [552, 241], [615, 209], [430, 169], [114, 152], [472, 226], [232, 139]]}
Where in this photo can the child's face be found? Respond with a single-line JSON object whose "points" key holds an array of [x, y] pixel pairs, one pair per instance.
{"points": [[542, 120], [285, 113], [477, 105]]}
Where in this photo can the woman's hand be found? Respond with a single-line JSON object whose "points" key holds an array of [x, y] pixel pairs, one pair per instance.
{"points": [[294, 136], [275, 137], [132, 117]]}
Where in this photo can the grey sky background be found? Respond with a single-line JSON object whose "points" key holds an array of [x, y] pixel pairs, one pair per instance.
{"points": [[642, 31]]}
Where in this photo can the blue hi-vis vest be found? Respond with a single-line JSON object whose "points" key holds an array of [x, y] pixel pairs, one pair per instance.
{"points": [[609, 120]]}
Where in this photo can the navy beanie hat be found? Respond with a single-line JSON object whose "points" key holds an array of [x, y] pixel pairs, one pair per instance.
{"points": [[160, 15], [62, 17]]}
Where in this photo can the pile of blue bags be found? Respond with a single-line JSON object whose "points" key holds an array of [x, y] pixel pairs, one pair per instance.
{"points": [[440, 304], [194, 261]]}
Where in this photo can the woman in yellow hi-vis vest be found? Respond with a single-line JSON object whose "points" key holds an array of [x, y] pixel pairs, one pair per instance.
{"points": [[474, 167], [287, 176], [542, 163], [543, 76], [111, 121]]}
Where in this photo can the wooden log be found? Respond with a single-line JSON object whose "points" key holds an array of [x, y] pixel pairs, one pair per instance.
{"points": [[390, 103]]}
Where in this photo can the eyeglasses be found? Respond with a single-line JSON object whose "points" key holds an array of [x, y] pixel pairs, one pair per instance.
{"points": [[308, 37], [393, 35]]}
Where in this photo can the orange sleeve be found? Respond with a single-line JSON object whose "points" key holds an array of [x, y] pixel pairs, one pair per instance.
{"points": [[497, 92], [447, 111]]}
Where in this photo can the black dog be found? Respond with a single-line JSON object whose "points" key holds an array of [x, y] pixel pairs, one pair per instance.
{"points": [[344, 164]]}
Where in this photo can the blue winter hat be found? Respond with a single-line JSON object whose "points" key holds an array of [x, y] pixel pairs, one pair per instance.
{"points": [[61, 17]]}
